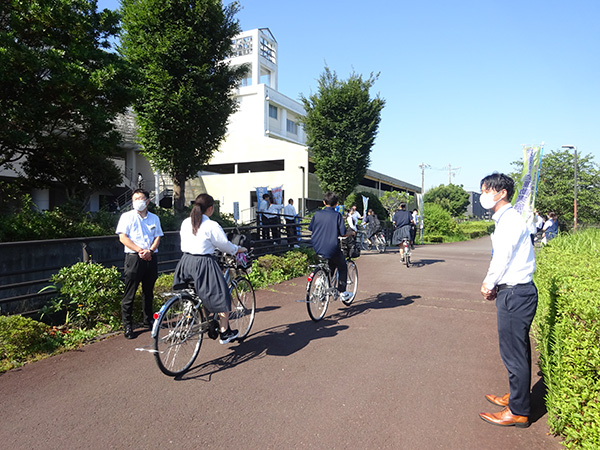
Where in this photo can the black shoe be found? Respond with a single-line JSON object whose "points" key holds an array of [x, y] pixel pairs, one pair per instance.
{"points": [[228, 336], [129, 332]]}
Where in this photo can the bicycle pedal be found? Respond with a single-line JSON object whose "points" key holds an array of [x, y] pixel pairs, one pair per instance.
{"points": [[213, 329]]}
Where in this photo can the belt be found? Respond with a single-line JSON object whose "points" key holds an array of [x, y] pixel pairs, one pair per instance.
{"points": [[501, 287]]}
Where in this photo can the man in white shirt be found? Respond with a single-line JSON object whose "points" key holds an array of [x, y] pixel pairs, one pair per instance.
{"points": [[509, 282], [139, 231], [263, 207], [289, 212]]}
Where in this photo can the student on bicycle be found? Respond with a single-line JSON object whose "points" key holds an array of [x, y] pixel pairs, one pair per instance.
{"points": [[373, 225], [200, 236], [326, 226], [402, 221]]}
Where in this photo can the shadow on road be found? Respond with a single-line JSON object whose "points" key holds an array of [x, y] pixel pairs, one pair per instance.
{"points": [[425, 262], [287, 339]]}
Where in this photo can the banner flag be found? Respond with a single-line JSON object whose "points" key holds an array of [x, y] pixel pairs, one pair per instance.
{"points": [[277, 195], [526, 186], [365, 205], [260, 191]]}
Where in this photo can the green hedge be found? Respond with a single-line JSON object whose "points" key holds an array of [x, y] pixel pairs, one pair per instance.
{"points": [[567, 331]]}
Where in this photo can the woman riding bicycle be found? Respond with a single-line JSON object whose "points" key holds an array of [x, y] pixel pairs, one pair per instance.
{"points": [[373, 225], [402, 221], [200, 236]]}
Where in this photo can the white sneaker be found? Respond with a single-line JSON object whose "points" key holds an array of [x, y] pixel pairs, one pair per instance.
{"points": [[345, 296]]}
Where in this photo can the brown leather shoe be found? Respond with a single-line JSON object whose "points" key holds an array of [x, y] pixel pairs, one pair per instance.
{"points": [[505, 418], [500, 401]]}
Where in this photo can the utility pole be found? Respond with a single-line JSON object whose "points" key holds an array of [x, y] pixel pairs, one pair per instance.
{"points": [[423, 166], [451, 173]]}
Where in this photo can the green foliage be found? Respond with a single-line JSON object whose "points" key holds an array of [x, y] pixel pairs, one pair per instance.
{"points": [[355, 198], [272, 269], [556, 186], [61, 91], [90, 294], [184, 85], [476, 229], [438, 221], [21, 337], [341, 123], [391, 200], [567, 331], [452, 198], [63, 222]]}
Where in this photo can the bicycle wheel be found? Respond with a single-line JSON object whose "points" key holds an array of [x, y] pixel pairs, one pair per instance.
{"points": [[380, 243], [407, 255], [178, 337], [243, 306], [317, 298], [351, 282]]}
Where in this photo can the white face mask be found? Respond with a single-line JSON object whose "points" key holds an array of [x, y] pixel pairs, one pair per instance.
{"points": [[139, 205], [487, 199]]}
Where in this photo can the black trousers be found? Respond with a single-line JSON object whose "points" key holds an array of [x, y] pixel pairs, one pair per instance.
{"points": [[337, 261], [139, 271], [516, 308], [290, 229]]}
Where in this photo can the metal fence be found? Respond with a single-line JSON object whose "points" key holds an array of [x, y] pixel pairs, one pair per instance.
{"points": [[26, 267]]}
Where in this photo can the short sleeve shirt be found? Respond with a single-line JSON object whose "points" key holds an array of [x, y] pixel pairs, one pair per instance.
{"points": [[326, 225], [402, 218], [141, 230]]}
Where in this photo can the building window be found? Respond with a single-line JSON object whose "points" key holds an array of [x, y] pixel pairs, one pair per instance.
{"points": [[292, 127], [273, 111]]}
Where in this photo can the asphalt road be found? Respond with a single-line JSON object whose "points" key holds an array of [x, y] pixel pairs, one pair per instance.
{"points": [[406, 366]]}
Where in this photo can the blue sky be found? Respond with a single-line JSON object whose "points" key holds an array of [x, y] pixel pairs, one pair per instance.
{"points": [[466, 82]]}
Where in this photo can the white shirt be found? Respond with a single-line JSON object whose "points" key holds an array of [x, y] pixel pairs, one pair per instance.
{"points": [[289, 211], [210, 236], [263, 206], [513, 259], [273, 210], [353, 220], [141, 230]]}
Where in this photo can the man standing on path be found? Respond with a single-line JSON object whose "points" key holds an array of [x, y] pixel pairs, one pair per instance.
{"points": [[139, 231], [289, 212], [509, 282]]}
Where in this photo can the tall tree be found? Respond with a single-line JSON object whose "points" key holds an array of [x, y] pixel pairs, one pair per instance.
{"points": [[451, 197], [60, 93], [185, 85], [556, 186], [341, 123], [392, 199]]}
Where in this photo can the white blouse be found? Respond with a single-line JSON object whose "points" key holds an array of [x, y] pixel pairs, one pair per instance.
{"points": [[210, 236]]}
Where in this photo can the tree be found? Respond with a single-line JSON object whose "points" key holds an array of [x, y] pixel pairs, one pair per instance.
{"points": [[185, 85], [451, 197], [341, 123], [556, 186], [60, 93], [392, 199]]}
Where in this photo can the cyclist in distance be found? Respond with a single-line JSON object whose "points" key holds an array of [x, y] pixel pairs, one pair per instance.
{"points": [[326, 226], [200, 236], [402, 221], [373, 224]]}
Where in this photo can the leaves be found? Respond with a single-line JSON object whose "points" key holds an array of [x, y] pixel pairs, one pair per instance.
{"points": [[341, 123]]}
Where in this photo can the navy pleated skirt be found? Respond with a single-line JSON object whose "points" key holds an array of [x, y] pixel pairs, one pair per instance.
{"points": [[206, 275]]}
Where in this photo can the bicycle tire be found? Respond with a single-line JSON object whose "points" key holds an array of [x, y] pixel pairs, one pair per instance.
{"points": [[407, 256], [351, 281], [243, 306], [178, 336], [317, 298]]}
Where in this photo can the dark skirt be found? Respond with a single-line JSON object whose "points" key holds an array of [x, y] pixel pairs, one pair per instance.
{"points": [[400, 234], [206, 275]]}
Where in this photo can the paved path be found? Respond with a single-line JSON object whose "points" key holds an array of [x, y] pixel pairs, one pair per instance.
{"points": [[405, 367]]}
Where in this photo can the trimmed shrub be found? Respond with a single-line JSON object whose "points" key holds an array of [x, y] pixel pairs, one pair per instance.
{"points": [[89, 293], [567, 332], [438, 221]]}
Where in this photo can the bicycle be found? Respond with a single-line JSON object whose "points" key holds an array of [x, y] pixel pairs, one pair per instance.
{"points": [[405, 245], [322, 286], [181, 322], [378, 239]]}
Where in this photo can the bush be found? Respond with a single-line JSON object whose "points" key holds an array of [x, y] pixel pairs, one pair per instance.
{"points": [[439, 221], [20, 338], [271, 269], [567, 332], [89, 293], [476, 229], [355, 198]]}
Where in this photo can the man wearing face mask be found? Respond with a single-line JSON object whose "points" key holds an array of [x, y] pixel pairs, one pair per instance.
{"points": [[139, 231], [509, 282]]}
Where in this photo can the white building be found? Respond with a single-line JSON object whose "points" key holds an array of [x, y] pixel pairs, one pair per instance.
{"points": [[265, 145]]}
